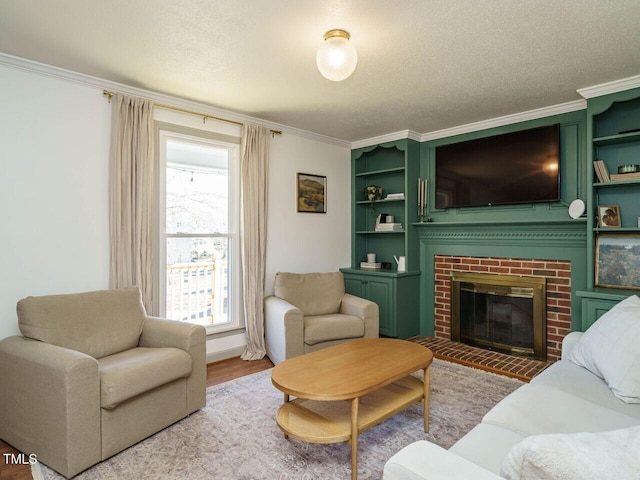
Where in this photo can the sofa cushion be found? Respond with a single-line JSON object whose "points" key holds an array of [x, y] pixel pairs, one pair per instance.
{"points": [[96, 323], [535, 409], [565, 376], [313, 293], [486, 446], [132, 372], [424, 460], [612, 454], [610, 349], [324, 328]]}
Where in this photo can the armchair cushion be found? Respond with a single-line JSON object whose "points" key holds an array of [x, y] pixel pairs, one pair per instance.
{"points": [[95, 323], [325, 328], [313, 293], [126, 374]]}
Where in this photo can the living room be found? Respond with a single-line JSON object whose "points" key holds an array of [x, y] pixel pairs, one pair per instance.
{"points": [[56, 126]]}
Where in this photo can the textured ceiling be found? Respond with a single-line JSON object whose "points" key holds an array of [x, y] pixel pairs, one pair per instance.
{"points": [[424, 65]]}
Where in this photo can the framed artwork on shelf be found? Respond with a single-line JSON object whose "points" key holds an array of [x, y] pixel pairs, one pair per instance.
{"points": [[618, 260], [609, 216], [311, 193]]}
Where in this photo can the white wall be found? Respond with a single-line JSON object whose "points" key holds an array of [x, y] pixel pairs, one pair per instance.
{"points": [[54, 236], [54, 232], [307, 242]]}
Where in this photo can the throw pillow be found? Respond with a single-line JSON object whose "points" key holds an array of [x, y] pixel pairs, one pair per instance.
{"points": [[610, 349], [611, 454]]}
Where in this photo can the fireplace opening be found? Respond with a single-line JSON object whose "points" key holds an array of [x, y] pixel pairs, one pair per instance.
{"points": [[504, 313]]}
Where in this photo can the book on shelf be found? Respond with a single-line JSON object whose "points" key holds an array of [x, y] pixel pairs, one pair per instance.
{"points": [[370, 265], [621, 177], [381, 219], [602, 172], [395, 196], [386, 227]]}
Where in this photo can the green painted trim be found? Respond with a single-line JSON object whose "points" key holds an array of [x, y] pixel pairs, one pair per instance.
{"points": [[616, 294]]}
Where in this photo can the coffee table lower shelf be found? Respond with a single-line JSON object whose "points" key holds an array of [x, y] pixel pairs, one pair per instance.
{"points": [[316, 421]]}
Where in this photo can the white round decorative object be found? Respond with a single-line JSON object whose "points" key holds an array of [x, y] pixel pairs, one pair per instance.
{"points": [[576, 209]]}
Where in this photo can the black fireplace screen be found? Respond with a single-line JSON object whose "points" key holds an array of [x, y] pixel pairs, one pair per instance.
{"points": [[500, 322], [502, 313]]}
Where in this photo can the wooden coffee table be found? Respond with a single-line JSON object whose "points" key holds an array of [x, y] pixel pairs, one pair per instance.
{"points": [[345, 390]]}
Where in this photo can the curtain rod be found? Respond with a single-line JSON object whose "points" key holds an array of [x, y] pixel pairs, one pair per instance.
{"points": [[204, 116]]}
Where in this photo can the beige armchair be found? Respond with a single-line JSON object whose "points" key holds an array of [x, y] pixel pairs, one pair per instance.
{"points": [[311, 311], [93, 374]]}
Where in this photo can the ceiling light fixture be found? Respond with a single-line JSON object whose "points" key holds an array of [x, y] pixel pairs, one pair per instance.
{"points": [[337, 57]]}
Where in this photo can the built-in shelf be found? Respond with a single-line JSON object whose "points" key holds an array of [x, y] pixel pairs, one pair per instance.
{"points": [[380, 172], [616, 183], [602, 293], [609, 115], [384, 272], [617, 139], [616, 230], [382, 200], [394, 166]]}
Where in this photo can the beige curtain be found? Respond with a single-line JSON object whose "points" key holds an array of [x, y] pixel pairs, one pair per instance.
{"points": [[255, 165], [131, 195]]}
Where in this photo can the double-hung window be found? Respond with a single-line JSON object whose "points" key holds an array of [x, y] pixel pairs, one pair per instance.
{"points": [[199, 268]]}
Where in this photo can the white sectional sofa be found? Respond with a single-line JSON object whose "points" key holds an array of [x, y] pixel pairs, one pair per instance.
{"points": [[580, 418]]}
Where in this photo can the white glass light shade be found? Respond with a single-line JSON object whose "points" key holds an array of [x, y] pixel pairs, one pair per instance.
{"points": [[337, 57]]}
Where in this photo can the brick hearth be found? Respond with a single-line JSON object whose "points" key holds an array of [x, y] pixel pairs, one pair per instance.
{"points": [[558, 281], [517, 367]]}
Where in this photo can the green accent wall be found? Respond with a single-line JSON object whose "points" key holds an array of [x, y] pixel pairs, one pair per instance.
{"points": [[537, 231], [542, 231], [573, 173]]}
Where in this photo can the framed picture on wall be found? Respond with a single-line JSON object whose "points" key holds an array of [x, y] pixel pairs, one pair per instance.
{"points": [[608, 216], [311, 193], [618, 260]]}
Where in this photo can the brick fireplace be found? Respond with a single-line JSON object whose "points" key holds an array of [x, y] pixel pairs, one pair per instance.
{"points": [[558, 291]]}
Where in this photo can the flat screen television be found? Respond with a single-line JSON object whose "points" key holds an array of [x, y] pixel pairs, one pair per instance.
{"points": [[517, 167]]}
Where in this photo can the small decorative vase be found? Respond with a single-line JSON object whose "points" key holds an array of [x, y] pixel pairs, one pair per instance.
{"points": [[373, 193]]}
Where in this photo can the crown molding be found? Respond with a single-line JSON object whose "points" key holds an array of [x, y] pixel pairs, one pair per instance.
{"points": [[476, 126], [610, 87], [507, 120], [389, 137], [102, 84]]}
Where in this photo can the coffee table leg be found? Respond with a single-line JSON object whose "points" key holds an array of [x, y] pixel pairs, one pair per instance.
{"points": [[354, 438], [286, 400], [427, 389]]}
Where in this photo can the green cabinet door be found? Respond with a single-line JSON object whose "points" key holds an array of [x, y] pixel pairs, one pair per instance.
{"points": [[598, 301], [380, 291], [396, 296], [355, 286]]}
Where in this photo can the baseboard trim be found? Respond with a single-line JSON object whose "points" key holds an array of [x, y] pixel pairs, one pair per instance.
{"points": [[224, 354]]}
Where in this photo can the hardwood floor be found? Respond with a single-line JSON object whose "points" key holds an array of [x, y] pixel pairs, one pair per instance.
{"points": [[217, 372]]}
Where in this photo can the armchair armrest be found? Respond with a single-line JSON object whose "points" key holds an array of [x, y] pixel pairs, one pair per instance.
{"points": [[423, 460], [161, 332], [568, 342], [50, 403], [192, 338], [365, 309], [284, 329]]}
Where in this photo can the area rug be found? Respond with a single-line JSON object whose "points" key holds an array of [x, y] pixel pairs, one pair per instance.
{"points": [[235, 437]]}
